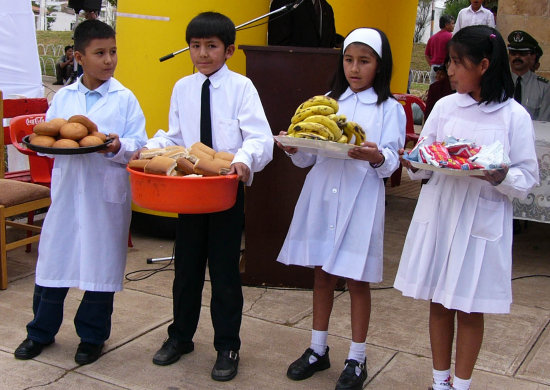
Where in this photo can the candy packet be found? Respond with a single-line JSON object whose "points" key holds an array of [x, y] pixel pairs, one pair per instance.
{"points": [[491, 156]]}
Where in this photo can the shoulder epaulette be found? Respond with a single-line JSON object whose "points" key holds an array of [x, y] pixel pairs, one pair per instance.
{"points": [[540, 78]]}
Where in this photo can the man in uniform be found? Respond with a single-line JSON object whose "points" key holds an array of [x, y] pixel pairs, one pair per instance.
{"points": [[532, 91]]}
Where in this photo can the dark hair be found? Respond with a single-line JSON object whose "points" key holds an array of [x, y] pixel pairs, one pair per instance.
{"points": [[211, 24], [68, 47], [89, 30], [478, 42], [444, 20], [381, 83]]}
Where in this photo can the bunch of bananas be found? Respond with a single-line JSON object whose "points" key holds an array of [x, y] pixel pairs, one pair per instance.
{"points": [[317, 118]]}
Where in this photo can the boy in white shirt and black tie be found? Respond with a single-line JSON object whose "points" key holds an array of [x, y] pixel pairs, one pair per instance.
{"points": [[236, 123]]}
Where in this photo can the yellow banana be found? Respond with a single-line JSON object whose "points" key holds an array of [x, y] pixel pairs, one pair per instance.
{"points": [[339, 119], [343, 139], [328, 123], [319, 100], [313, 110], [313, 127], [356, 130], [309, 135]]}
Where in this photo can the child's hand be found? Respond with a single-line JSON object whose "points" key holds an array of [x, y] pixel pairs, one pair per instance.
{"points": [[114, 146], [368, 151], [495, 176], [137, 153], [241, 170], [289, 150], [406, 163]]}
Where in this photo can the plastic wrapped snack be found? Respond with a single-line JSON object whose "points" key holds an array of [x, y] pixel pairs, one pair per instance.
{"points": [[434, 154], [491, 156]]}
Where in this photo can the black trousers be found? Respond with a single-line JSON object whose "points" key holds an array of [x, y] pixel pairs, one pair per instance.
{"points": [[215, 237]]}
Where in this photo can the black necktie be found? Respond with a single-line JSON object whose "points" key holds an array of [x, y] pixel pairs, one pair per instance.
{"points": [[517, 90], [206, 123]]}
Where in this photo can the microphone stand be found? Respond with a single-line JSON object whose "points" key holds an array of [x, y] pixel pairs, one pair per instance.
{"points": [[283, 8]]}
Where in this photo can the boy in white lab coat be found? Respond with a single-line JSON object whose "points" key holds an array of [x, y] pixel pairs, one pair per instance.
{"points": [[84, 237]]}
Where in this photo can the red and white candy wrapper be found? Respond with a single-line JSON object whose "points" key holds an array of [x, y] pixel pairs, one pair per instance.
{"points": [[433, 154]]}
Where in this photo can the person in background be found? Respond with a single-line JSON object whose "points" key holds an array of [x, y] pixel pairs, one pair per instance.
{"points": [[536, 63], [473, 15], [530, 90], [311, 24], [64, 67], [440, 88], [436, 48]]}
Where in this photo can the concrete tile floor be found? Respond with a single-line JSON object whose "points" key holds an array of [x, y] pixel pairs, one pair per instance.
{"points": [[276, 329]]}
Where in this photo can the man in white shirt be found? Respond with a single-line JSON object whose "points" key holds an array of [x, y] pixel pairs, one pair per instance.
{"points": [[473, 15]]}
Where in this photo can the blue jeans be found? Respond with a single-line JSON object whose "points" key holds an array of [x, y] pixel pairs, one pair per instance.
{"points": [[92, 320]]}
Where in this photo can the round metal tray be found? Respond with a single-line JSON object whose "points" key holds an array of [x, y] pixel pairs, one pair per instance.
{"points": [[81, 150]]}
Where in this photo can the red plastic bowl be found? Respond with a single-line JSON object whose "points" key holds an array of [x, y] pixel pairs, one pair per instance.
{"points": [[183, 195]]}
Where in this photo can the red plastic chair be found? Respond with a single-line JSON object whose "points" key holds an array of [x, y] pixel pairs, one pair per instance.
{"points": [[40, 166], [13, 108], [407, 101]]}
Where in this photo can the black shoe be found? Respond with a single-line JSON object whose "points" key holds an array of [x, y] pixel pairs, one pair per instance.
{"points": [[29, 349], [302, 368], [226, 366], [87, 353], [349, 380], [171, 351]]}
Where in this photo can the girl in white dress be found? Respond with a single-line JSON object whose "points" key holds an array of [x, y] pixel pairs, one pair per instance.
{"points": [[458, 251], [338, 222]]}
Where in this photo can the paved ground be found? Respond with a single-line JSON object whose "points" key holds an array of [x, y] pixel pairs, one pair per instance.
{"points": [[276, 328]]}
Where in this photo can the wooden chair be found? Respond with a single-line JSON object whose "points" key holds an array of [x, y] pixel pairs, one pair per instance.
{"points": [[17, 198], [407, 100]]}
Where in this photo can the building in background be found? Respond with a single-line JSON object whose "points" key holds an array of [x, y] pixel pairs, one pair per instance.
{"points": [[55, 15]]}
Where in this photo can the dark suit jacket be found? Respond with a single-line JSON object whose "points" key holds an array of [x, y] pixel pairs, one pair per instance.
{"points": [[298, 27]]}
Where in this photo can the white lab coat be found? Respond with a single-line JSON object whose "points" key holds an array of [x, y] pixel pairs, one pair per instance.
{"points": [[458, 250], [239, 124], [338, 221], [85, 233]]}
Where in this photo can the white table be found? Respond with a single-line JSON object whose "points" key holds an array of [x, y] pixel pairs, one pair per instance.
{"points": [[536, 207]]}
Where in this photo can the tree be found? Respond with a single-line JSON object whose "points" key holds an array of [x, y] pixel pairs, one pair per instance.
{"points": [[422, 16], [112, 2]]}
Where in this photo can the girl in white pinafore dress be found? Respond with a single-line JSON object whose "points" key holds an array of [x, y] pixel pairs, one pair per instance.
{"points": [[458, 251], [338, 222]]}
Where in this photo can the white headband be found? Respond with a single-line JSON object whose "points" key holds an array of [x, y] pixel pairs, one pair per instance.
{"points": [[368, 36]]}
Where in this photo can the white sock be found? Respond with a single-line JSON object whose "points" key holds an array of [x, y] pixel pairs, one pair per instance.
{"points": [[442, 379], [357, 352], [318, 343], [461, 384]]}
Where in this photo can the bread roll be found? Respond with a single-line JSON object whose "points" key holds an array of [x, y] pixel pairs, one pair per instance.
{"points": [[73, 130], [185, 166], [138, 165], [172, 148], [50, 128], [42, 140], [211, 167], [225, 156], [100, 135], [175, 154], [150, 153], [90, 140], [83, 120], [199, 154], [64, 143], [203, 148], [160, 165]]}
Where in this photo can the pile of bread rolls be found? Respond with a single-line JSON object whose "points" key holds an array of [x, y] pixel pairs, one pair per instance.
{"points": [[198, 160], [77, 131]]}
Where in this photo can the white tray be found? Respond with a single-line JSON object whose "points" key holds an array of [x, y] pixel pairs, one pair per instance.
{"points": [[449, 171], [321, 148]]}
